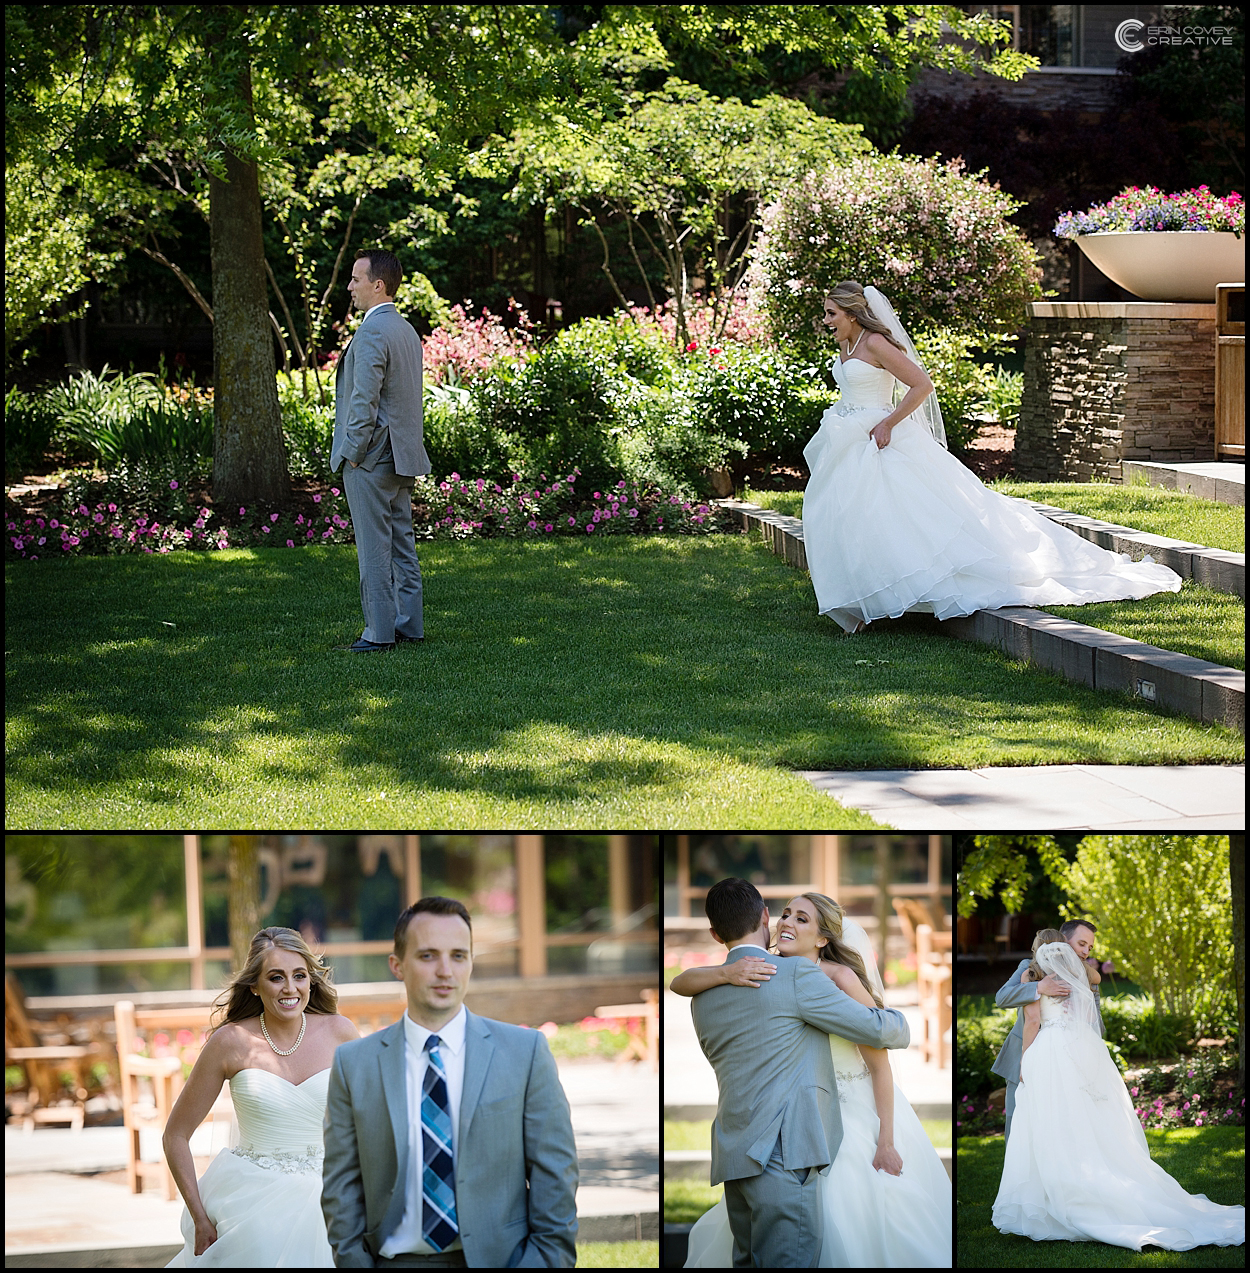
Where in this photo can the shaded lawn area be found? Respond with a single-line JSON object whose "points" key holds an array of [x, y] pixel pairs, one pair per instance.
{"points": [[631, 682], [1207, 1160]]}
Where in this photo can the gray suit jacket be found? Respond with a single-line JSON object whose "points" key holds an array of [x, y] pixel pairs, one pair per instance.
{"points": [[515, 1165], [378, 396], [769, 1047], [1016, 993]]}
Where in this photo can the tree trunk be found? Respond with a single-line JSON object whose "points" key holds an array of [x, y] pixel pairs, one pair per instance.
{"points": [[243, 871], [249, 453]]}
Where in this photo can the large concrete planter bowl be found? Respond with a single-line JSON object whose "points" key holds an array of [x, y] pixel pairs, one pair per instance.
{"points": [[1168, 265]]}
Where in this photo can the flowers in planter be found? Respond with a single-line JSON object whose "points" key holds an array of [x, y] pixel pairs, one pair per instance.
{"points": [[1148, 208]]}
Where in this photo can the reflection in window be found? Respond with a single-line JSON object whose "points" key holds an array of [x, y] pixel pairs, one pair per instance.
{"points": [[95, 892], [762, 859], [480, 871]]}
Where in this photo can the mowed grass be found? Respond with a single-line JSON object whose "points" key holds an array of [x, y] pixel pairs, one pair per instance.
{"points": [[637, 682], [1206, 1160]]}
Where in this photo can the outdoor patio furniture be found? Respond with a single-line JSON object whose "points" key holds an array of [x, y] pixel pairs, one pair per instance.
{"points": [[44, 1054], [933, 975], [142, 1111], [644, 1033]]}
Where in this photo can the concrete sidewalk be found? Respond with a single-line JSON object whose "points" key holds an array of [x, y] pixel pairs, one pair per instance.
{"points": [[1061, 797], [63, 1211]]}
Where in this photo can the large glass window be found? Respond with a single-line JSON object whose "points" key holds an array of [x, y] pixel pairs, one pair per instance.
{"points": [[95, 892], [762, 859]]}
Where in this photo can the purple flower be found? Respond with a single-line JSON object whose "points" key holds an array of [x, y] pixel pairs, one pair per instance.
{"points": [[242, 511], [548, 526], [533, 525], [589, 528], [572, 520], [290, 543], [173, 486], [316, 499]]}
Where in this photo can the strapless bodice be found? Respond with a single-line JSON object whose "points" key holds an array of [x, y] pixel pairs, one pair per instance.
{"points": [[280, 1122], [849, 1066], [862, 385]]}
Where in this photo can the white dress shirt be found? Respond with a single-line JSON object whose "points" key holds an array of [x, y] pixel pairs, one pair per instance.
{"points": [[407, 1234]]}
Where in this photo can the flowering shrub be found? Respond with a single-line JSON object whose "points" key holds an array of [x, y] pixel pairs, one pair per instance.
{"points": [[469, 348], [459, 508], [1148, 208], [454, 508], [935, 241]]}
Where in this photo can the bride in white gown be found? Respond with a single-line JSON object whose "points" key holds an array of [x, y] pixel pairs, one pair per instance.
{"points": [[258, 1205], [886, 1198], [1078, 1166], [892, 522]]}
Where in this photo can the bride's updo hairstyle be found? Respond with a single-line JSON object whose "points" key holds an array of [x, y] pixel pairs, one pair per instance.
{"points": [[1044, 937], [850, 297], [237, 1002], [829, 925]]}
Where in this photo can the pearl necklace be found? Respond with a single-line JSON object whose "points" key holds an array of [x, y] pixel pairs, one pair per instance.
{"points": [[303, 1022]]}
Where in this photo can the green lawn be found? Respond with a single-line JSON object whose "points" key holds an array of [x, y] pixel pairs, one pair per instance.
{"points": [[618, 1255], [1208, 1160], [642, 681], [1149, 508]]}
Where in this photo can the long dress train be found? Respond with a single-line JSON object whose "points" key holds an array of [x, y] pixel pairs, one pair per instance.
{"points": [[908, 527], [1078, 1166]]}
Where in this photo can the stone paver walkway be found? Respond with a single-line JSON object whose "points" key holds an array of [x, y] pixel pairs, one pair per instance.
{"points": [[1060, 797]]}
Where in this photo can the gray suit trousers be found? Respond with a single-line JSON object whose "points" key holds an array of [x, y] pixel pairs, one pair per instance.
{"points": [[778, 1214], [390, 575]]}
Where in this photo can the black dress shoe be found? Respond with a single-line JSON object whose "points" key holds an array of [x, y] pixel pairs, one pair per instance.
{"points": [[400, 637], [361, 646]]}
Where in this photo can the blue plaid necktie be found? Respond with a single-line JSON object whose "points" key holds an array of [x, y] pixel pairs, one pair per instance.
{"points": [[438, 1188]]}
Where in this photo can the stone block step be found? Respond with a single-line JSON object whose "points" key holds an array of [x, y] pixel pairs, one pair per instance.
{"points": [[1102, 660], [1219, 480]]}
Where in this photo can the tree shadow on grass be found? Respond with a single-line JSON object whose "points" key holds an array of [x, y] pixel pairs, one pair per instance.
{"points": [[550, 668]]}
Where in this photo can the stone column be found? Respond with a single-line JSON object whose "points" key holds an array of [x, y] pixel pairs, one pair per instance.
{"points": [[1106, 381]]}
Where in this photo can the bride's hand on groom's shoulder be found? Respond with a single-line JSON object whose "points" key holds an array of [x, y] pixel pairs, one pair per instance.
{"points": [[887, 1159], [750, 971]]}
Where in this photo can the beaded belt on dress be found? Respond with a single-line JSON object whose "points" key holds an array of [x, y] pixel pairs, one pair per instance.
{"points": [[286, 1160], [845, 408]]}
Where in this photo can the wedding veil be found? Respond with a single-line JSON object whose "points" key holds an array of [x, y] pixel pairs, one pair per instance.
{"points": [[1059, 959], [929, 414], [854, 936]]}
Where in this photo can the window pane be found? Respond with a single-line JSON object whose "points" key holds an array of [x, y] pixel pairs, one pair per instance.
{"points": [[480, 871], [762, 859], [584, 896], [95, 892]]}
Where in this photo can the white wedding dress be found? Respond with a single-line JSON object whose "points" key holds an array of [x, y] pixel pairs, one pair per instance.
{"points": [[1078, 1166], [871, 1219], [264, 1196], [908, 527]]}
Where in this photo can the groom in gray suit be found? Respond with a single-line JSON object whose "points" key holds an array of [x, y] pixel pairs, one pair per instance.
{"points": [[377, 438], [448, 1141], [778, 1126], [1017, 992]]}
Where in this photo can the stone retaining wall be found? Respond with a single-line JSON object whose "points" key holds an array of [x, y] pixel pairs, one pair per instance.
{"points": [[1112, 381]]}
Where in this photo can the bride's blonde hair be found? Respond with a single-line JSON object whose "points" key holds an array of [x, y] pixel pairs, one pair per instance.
{"points": [[238, 1000], [1045, 936], [829, 926], [850, 297]]}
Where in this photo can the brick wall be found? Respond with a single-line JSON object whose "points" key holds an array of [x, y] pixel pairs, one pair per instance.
{"points": [[1112, 381]]}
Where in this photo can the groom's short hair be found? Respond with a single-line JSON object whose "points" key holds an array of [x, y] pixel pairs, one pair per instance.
{"points": [[383, 265], [733, 908], [428, 906], [1068, 927]]}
